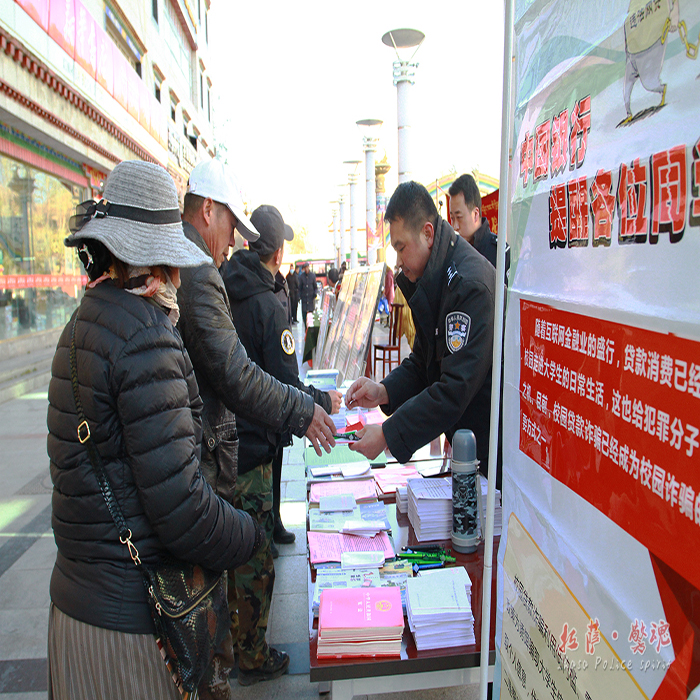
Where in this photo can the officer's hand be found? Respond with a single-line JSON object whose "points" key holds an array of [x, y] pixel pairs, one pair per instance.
{"points": [[366, 393], [371, 441], [321, 431], [336, 400]]}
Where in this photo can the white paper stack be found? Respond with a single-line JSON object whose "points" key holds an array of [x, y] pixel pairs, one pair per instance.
{"points": [[402, 499], [430, 508], [497, 512], [438, 604]]}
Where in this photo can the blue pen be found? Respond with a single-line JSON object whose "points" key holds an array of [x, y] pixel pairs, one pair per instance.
{"points": [[420, 567]]}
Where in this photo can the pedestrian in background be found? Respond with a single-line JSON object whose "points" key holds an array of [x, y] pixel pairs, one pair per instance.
{"points": [[293, 284], [307, 291]]}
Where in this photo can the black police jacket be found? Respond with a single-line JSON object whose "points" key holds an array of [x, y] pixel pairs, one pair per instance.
{"points": [[445, 383], [486, 241], [263, 327], [228, 380], [140, 399]]}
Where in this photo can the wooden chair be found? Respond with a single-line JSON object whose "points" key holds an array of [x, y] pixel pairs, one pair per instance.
{"points": [[389, 354]]}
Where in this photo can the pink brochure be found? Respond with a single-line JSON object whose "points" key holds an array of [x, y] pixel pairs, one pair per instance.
{"points": [[328, 546]]}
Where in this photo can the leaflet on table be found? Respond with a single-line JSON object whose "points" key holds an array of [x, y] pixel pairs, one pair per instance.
{"points": [[454, 587], [338, 472], [341, 454], [334, 522], [361, 489], [342, 578], [329, 546], [343, 502], [392, 476], [431, 489]]}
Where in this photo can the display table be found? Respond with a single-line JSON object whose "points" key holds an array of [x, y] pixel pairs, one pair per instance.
{"points": [[414, 669]]}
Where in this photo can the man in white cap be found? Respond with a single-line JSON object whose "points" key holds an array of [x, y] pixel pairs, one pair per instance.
{"points": [[228, 380]]}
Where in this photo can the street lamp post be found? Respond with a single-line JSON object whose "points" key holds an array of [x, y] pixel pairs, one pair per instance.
{"points": [[343, 228], [369, 145], [404, 72], [352, 181], [336, 236]]}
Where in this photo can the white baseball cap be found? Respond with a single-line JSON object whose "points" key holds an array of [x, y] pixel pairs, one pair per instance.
{"points": [[213, 179]]}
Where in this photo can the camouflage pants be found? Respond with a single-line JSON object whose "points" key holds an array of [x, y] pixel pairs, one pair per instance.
{"points": [[250, 585]]}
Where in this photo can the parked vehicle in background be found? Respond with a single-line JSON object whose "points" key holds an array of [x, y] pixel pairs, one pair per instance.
{"points": [[318, 267]]}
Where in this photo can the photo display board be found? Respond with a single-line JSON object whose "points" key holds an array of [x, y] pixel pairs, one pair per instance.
{"points": [[347, 341], [599, 574], [327, 307]]}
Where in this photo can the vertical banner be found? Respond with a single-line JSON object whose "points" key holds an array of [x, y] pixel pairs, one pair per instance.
{"points": [[599, 574], [85, 39], [489, 209], [38, 10], [105, 60], [121, 70], [62, 24]]}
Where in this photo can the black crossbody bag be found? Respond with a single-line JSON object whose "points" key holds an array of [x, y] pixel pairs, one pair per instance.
{"points": [[188, 603]]}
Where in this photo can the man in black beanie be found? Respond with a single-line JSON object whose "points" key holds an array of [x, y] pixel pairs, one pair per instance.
{"points": [[263, 327]]}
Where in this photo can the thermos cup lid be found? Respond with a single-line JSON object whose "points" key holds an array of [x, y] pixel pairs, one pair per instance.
{"points": [[464, 446]]}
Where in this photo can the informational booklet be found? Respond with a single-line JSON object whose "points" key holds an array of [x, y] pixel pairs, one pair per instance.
{"points": [[360, 614], [329, 546]]}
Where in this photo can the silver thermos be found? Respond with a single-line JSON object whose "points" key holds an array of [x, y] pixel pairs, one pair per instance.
{"points": [[465, 533]]}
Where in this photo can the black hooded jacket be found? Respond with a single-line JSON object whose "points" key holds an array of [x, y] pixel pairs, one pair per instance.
{"points": [[445, 383], [140, 399], [263, 327]]}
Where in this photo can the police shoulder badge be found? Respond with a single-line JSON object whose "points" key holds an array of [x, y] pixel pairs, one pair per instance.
{"points": [[287, 341], [457, 325]]}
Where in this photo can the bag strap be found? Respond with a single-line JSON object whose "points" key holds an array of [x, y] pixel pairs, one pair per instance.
{"points": [[85, 438]]}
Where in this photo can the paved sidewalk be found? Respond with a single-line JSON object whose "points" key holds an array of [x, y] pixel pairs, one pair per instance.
{"points": [[27, 554]]}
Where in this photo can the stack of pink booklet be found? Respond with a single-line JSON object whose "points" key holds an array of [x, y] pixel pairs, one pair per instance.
{"points": [[356, 622]]}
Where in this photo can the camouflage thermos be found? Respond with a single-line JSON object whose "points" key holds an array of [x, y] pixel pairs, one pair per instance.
{"points": [[465, 536]]}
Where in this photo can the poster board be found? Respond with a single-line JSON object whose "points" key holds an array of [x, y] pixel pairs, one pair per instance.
{"points": [[601, 481], [345, 348], [327, 307]]}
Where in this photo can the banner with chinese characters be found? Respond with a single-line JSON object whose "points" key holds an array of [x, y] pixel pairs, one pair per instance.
{"points": [[601, 401]]}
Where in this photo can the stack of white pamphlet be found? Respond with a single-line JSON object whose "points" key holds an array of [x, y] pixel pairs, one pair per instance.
{"points": [[438, 604], [497, 512], [430, 508], [402, 499]]}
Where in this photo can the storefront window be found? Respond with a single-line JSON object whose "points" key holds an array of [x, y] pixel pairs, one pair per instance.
{"points": [[40, 279]]}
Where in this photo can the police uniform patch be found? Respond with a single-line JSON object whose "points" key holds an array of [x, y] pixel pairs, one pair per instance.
{"points": [[287, 341], [457, 325]]}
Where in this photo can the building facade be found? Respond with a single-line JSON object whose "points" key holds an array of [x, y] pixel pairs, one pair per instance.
{"points": [[85, 84]]}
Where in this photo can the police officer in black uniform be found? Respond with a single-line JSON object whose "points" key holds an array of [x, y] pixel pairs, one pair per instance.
{"points": [[445, 383]]}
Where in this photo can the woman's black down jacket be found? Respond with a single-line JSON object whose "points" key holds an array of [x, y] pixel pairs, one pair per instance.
{"points": [[140, 398]]}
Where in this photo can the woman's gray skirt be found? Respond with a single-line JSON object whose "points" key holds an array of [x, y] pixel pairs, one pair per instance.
{"points": [[91, 663]]}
